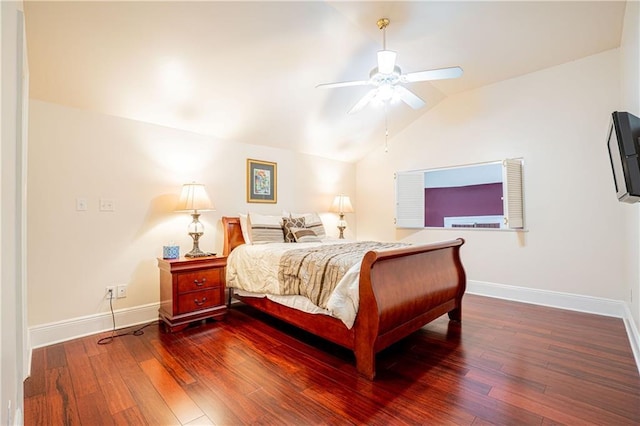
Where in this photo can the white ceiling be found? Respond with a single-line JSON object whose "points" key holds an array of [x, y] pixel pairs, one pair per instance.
{"points": [[247, 71]]}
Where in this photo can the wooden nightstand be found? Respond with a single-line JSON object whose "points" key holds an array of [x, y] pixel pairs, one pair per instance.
{"points": [[191, 289]]}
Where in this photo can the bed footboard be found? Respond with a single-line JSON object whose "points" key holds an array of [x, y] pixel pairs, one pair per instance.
{"points": [[403, 289]]}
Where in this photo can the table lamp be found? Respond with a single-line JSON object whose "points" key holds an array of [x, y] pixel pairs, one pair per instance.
{"points": [[194, 199], [341, 205]]}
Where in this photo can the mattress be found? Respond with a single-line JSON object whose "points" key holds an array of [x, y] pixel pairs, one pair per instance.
{"points": [[253, 270]]}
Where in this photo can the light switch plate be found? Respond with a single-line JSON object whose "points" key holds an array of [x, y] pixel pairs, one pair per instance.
{"points": [[81, 204], [107, 205]]}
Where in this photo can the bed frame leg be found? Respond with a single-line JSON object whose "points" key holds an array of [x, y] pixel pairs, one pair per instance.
{"points": [[230, 290], [366, 363], [456, 314]]}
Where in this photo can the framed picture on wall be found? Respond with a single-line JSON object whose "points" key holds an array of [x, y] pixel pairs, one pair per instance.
{"points": [[262, 181]]}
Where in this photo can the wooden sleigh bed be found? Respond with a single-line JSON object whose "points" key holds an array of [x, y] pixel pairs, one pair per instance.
{"points": [[401, 290]]}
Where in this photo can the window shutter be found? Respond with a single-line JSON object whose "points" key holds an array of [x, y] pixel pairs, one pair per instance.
{"points": [[513, 196], [410, 200]]}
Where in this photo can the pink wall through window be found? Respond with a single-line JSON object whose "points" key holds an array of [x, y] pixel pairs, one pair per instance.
{"points": [[470, 200]]}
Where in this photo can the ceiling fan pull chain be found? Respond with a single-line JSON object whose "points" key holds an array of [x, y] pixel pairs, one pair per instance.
{"points": [[386, 129], [386, 137]]}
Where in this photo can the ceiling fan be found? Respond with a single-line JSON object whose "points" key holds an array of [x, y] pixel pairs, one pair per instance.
{"points": [[387, 79]]}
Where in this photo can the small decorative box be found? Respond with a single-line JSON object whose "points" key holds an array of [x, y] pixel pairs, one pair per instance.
{"points": [[170, 252]]}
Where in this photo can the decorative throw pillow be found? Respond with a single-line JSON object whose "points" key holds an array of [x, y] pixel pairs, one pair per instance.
{"points": [[312, 221], [265, 229], [305, 235], [287, 224]]}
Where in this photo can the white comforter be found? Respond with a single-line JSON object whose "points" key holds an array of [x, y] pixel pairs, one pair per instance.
{"points": [[253, 268]]}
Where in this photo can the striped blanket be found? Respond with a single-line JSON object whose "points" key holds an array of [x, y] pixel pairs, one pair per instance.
{"points": [[315, 272]]}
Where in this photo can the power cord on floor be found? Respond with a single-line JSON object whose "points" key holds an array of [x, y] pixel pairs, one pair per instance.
{"points": [[136, 332]]}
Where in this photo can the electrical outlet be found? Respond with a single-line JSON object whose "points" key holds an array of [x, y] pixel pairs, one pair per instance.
{"points": [[110, 292], [122, 291]]}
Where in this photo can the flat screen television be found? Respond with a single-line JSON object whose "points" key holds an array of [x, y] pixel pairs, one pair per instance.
{"points": [[624, 149]]}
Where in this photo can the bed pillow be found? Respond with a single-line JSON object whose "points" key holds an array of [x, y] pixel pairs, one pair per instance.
{"points": [[265, 229], [305, 235], [288, 223], [246, 229], [312, 221]]}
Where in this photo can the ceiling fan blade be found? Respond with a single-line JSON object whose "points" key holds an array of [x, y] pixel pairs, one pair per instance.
{"points": [[437, 74], [409, 97], [343, 84], [386, 61], [363, 101]]}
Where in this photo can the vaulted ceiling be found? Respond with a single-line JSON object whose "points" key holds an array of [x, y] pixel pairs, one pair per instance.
{"points": [[247, 71]]}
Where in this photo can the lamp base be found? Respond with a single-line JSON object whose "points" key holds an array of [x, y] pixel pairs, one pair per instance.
{"points": [[195, 251], [198, 253], [341, 226]]}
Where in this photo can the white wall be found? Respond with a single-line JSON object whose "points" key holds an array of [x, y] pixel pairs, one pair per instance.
{"points": [[12, 367], [557, 120], [74, 153], [630, 72]]}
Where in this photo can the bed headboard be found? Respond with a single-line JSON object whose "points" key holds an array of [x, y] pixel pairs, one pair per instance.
{"points": [[232, 234]]}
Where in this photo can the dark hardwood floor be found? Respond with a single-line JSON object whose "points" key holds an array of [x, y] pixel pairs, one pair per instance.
{"points": [[507, 363]]}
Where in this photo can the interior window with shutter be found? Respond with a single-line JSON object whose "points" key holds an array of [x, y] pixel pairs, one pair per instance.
{"points": [[481, 195]]}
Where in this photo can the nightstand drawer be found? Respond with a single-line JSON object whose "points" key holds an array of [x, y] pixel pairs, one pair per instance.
{"points": [[199, 280], [198, 300]]}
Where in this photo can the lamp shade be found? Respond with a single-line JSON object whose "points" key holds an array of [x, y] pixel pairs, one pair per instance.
{"points": [[194, 197], [341, 204]]}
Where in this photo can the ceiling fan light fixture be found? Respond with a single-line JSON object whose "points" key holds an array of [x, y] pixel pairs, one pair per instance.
{"points": [[386, 61], [385, 92]]}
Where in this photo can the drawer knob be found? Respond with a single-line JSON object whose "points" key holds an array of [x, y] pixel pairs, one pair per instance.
{"points": [[200, 303], [200, 283]]}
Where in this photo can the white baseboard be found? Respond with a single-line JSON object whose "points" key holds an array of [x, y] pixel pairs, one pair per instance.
{"points": [[632, 332], [553, 299], [572, 302], [61, 331], [17, 418]]}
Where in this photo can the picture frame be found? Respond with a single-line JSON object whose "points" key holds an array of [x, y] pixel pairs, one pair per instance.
{"points": [[262, 181]]}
